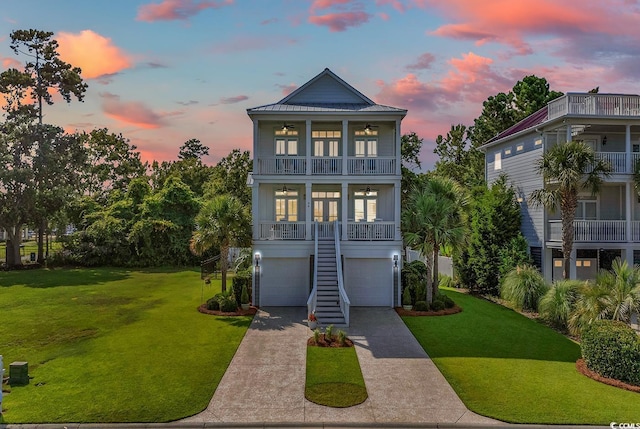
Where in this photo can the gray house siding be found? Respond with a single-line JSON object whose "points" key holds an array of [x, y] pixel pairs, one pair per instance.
{"points": [[518, 159], [326, 90]]}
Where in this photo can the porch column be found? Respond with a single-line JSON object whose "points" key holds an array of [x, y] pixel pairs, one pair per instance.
{"points": [[345, 209], [307, 210], [345, 147], [627, 206], [398, 147], [568, 137], [255, 208], [256, 136], [572, 264], [308, 145], [396, 210], [627, 143]]}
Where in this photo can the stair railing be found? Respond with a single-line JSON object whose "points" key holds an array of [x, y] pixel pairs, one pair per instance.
{"points": [[344, 299], [313, 297]]}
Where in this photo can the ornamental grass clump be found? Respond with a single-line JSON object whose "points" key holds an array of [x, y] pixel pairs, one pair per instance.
{"points": [[523, 287], [557, 304]]}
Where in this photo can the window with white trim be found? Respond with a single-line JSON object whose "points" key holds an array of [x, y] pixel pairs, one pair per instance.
{"points": [[286, 142], [326, 143], [286, 206], [497, 161], [365, 206]]}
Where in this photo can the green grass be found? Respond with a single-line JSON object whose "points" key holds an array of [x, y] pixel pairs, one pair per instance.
{"points": [[334, 377], [112, 345], [506, 366]]}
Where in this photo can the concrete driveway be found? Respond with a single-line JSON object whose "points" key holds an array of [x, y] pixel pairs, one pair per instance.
{"points": [[265, 380]]}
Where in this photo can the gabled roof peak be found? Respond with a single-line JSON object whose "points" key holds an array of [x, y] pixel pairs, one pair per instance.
{"points": [[326, 81]]}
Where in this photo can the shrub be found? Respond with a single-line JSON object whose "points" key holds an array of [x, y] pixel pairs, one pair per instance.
{"points": [[523, 287], [448, 302], [241, 279], [328, 333], [513, 255], [406, 297], [414, 277], [213, 304], [437, 305], [228, 305], [421, 306], [316, 335], [445, 281], [612, 349], [341, 337], [244, 296], [558, 302]]}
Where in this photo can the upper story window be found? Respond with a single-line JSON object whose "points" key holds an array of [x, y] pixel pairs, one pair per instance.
{"points": [[287, 206], [326, 143], [365, 206], [286, 142], [366, 143], [497, 161], [587, 208]]}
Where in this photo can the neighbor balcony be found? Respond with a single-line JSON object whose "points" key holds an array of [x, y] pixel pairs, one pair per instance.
{"points": [[596, 231], [601, 105]]}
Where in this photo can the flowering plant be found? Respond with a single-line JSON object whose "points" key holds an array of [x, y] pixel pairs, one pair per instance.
{"points": [[312, 317]]}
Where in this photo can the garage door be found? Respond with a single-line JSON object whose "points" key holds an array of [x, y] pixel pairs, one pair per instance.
{"points": [[284, 282], [368, 282]]}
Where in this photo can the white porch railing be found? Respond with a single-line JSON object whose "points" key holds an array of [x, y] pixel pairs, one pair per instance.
{"points": [[617, 160], [323, 165], [591, 230], [344, 299], [283, 165], [635, 231], [324, 229], [366, 166], [371, 230], [313, 296], [594, 105], [282, 230]]}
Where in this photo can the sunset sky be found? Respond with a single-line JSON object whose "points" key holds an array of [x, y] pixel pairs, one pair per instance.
{"points": [[163, 71]]}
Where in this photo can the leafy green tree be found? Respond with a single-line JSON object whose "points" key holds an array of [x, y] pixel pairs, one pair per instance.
{"points": [[569, 167], [223, 222], [458, 158], [514, 254], [230, 177], [434, 219], [192, 148], [191, 171], [531, 94], [495, 221]]}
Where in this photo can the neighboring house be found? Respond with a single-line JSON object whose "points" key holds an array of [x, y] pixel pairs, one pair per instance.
{"points": [[326, 156], [607, 225]]}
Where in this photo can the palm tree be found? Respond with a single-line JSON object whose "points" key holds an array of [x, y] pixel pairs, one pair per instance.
{"points": [[433, 219], [567, 168], [623, 284], [222, 221]]}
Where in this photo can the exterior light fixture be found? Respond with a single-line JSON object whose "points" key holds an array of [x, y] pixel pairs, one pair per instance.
{"points": [[395, 261], [604, 140], [285, 190], [257, 258], [368, 191]]}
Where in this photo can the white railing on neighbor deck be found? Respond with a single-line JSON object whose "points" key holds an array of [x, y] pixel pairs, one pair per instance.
{"points": [[324, 165], [344, 299], [371, 230], [635, 231], [617, 160], [591, 230], [313, 296], [594, 105], [367, 166], [282, 230], [283, 165]]}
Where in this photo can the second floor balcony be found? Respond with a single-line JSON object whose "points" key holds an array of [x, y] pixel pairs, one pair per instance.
{"points": [[597, 231], [315, 165]]}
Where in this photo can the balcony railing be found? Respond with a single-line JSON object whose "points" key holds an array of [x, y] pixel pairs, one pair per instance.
{"points": [[357, 231], [594, 105], [283, 165], [371, 230], [591, 230], [321, 165], [617, 160], [366, 166]]}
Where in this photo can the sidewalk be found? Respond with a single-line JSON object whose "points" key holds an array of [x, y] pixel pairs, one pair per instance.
{"points": [[265, 380]]}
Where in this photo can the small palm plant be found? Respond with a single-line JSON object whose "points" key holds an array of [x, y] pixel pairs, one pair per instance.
{"points": [[523, 287], [559, 301]]}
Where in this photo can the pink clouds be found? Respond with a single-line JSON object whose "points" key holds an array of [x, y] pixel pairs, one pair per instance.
{"points": [[233, 100], [8, 62], [287, 89], [96, 55], [132, 112], [325, 4], [169, 10], [340, 21], [423, 62]]}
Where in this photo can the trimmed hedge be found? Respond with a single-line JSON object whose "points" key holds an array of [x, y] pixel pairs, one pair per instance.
{"points": [[612, 349]]}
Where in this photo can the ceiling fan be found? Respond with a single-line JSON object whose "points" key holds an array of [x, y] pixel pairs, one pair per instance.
{"points": [[367, 191], [286, 127], [369, 127]]}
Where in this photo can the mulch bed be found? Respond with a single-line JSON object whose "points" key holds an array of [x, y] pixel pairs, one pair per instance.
{"points": [[581, 366], [446, 312], [322, 342], [239, 312]]}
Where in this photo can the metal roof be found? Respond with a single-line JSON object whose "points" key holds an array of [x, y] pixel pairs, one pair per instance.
{"points": [[325, 107]]}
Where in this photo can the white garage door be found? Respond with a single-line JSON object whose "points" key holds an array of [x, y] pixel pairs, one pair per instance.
{"points": [[368, 282], [284, 282]]}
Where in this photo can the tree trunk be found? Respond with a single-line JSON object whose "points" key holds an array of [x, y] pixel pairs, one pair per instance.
{"points": [[436, 252], [13, 248], [429, 287], [568, 206], [41, 231], [224, 263]]}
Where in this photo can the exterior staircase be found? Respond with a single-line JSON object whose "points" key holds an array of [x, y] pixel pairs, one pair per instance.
{"points": [[328, 310]]}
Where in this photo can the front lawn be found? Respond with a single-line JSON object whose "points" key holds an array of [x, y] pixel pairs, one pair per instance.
{"points": [[506, 366], [112, 345]]}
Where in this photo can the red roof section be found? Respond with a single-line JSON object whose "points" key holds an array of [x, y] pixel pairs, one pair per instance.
{"points": [[529, 122]]}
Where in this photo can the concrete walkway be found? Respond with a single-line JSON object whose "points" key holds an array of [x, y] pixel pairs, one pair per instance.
{"points": [[265, 380]]}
